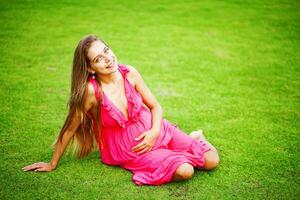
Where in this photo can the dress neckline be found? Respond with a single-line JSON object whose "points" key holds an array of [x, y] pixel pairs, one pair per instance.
{"points": [[125, 90]]}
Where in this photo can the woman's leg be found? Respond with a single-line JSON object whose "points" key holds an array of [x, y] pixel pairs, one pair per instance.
{"points": [[212, 158], [183, 172], [180, 141]]}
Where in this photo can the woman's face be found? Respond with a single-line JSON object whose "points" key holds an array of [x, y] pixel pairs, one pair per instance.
{"points": [[102, 59]]}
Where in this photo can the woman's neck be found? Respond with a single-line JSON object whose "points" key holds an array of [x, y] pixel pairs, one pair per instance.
{"points": [[111, 78]]}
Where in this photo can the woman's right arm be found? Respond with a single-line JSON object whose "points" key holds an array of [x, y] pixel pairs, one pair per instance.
{"points": [[90, 101], [61, 146]]}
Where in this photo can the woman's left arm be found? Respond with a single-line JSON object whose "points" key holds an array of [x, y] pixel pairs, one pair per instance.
{"points": [[150, 101]]}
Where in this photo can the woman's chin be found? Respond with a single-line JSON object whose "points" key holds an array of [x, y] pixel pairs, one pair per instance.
{"points": [[112, 69]]}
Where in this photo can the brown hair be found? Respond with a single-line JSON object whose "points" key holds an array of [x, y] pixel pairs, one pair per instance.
{"points": [[84, 135]]}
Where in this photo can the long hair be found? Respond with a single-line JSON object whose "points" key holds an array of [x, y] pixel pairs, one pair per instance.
{"points": [[85, 136]]}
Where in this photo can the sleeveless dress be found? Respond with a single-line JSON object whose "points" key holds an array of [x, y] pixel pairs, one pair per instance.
{"points": [[172, 148]]}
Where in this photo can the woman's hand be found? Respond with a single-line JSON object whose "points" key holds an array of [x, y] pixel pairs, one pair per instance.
{"points": [[148, 142], [39, 167]]}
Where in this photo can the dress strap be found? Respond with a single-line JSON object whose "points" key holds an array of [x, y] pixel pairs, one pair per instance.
{"points": [[123, 69]]}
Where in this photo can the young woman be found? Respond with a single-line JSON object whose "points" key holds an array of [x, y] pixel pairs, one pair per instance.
{"points": [[111, 108]]}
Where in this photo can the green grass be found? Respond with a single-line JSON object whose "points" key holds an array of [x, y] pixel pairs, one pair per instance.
{"points": [[228, 67]]}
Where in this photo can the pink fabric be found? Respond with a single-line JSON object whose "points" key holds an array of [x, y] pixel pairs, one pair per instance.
{"points": [[172, 148]]}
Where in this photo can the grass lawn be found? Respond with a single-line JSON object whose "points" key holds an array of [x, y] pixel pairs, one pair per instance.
{"points": [[228, 67]]}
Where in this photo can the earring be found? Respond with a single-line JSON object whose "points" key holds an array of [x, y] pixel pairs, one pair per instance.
{"points": [[94, 75]]}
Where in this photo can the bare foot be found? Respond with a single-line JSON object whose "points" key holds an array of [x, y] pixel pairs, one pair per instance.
{"points": [[198, 135]]}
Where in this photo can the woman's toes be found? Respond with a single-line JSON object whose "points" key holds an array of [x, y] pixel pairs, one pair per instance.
{"points": [[198, 135], [194, 135]]}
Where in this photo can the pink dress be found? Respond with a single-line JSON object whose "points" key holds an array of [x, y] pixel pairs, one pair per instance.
{"points": [[172, 148]]}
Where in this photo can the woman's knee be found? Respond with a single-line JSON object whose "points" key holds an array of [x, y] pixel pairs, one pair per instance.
{"points": [[212, 160], [185, 171]]}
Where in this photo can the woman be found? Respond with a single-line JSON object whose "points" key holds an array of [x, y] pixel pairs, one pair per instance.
{"points": [[111, 106]]}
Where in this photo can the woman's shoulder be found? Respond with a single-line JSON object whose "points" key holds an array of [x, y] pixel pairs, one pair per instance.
{"points": [[133, 74], [90, 89], [91, 96], [131, 69]]}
